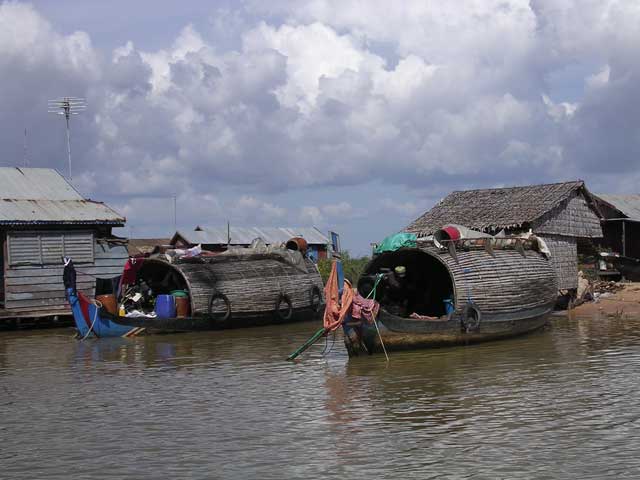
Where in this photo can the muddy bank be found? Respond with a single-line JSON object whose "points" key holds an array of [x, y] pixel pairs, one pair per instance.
{"points": [[623, 303]]}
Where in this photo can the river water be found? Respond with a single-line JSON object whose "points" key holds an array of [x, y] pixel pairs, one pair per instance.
{"points": [[560, 403]]}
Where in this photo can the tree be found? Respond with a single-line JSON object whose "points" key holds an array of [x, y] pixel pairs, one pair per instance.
{"points": [[352, 267]]}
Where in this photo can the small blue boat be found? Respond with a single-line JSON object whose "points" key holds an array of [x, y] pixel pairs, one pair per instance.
{"points": [[93, 321]]}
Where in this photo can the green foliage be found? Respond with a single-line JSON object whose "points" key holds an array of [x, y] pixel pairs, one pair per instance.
{"points": [[352, 267], [324, 267]]}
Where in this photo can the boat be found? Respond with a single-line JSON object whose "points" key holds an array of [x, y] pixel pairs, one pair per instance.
{"points": [[454, 291], [237, 288]]}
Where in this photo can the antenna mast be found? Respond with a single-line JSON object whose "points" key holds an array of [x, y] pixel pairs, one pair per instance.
{"points": [[175, 214], [25, 157], [67, 106]]}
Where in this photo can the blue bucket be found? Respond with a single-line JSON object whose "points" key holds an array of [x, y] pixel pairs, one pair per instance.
{"points": [[166, 306], [448, 305]]}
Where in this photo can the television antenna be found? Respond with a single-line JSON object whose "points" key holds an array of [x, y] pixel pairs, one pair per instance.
{"points": [[67, 106], [25, 158]]}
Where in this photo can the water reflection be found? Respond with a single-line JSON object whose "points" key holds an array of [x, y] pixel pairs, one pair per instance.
{"points": [[557, 403]]}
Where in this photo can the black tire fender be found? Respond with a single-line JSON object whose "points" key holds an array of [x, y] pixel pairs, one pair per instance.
{"points": [[227, 314], [287, 314], [314, 294], [471, 317]]}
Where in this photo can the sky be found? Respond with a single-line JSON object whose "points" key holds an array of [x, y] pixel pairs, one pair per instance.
{"points": [[353, 116]]}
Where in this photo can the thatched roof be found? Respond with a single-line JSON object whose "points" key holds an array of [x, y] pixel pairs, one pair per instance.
{"points": [[137, 246], [496, 208]]}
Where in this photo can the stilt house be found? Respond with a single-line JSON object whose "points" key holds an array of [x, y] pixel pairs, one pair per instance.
{"points": [[620, 223], [42, 219], [563, 214]]}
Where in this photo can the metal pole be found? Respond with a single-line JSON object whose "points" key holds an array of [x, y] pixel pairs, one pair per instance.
{"points": [[25, 160], [66, 114], [175, 215], [67, 106]]}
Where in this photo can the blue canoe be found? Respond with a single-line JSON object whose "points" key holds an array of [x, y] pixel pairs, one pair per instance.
{"points": [[91, 321]]}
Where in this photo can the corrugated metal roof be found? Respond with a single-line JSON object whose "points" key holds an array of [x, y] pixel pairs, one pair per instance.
{"points": [[43, 196], [627, 204], [245, 235]]}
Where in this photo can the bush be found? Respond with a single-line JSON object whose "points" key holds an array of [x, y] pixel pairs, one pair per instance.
{"points": [[352, 267]]}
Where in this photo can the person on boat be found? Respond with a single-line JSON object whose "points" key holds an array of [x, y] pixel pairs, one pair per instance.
{"points": [[395, 297]]}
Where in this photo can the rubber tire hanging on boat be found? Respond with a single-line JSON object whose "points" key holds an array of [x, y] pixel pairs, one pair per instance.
{"points": [[227, 315], [314, 294], [471, 317], [283, 297]]}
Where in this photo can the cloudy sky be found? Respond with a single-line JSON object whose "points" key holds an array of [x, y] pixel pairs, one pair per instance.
{"points": [[348, 115]]}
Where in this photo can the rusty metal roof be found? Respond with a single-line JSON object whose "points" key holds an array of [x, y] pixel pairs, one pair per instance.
{"points": [[42, 196], [629, 205], [245, 235]]}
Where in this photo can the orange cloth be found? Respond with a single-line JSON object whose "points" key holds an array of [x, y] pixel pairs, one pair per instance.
{"points": [[336, 309]]}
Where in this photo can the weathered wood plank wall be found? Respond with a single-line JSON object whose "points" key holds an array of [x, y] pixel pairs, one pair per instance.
{"points": [[38, 290]]}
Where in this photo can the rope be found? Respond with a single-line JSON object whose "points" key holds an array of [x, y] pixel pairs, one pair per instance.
{"points": [[98, 305], [326, 351], [375, 322], [375, 286], [90, 275]]}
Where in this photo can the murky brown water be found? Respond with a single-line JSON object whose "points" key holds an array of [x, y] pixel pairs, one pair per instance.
{"points": [[561, 403]]}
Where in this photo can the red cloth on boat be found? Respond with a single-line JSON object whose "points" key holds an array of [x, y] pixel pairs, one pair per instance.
{"points": [[131, 270], [366, 308], [336, 309]]}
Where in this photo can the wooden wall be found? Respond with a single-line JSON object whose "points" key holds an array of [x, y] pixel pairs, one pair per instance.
{"points": [[564, 259], [32, 290]]}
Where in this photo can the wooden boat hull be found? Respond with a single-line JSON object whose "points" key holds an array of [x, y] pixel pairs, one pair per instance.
{"points": [[406, 333], [92, 321], [225, 291], [464, 296], [206, 322]]}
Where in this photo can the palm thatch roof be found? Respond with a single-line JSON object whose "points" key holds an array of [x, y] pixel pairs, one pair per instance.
{"points": [[138, 246], [498, 208]]}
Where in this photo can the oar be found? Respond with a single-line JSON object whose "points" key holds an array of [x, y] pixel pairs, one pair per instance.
{"points": [[308, 343]]}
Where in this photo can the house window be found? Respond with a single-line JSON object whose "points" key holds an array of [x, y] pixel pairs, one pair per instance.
{"points": [[48, 248]]}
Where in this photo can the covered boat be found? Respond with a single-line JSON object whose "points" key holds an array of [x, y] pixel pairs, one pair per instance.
{"points": [[242, 287], [450, 290]]}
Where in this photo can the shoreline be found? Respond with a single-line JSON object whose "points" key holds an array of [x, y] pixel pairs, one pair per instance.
{"points": [[623, 303]]}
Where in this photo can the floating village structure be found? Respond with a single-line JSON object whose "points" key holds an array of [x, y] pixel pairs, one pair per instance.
{"points": [[563, 214], [218, 239], [42, 219], [620, 223]]}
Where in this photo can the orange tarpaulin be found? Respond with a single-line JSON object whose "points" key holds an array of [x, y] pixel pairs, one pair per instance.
{"points": [[336, 308]]}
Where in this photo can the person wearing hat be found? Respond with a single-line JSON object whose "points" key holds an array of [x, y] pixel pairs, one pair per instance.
{"points": [[395, 294]]}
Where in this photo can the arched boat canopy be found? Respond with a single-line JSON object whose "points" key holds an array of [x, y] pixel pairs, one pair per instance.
{"points": [[501, 281], [252, 283]]}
